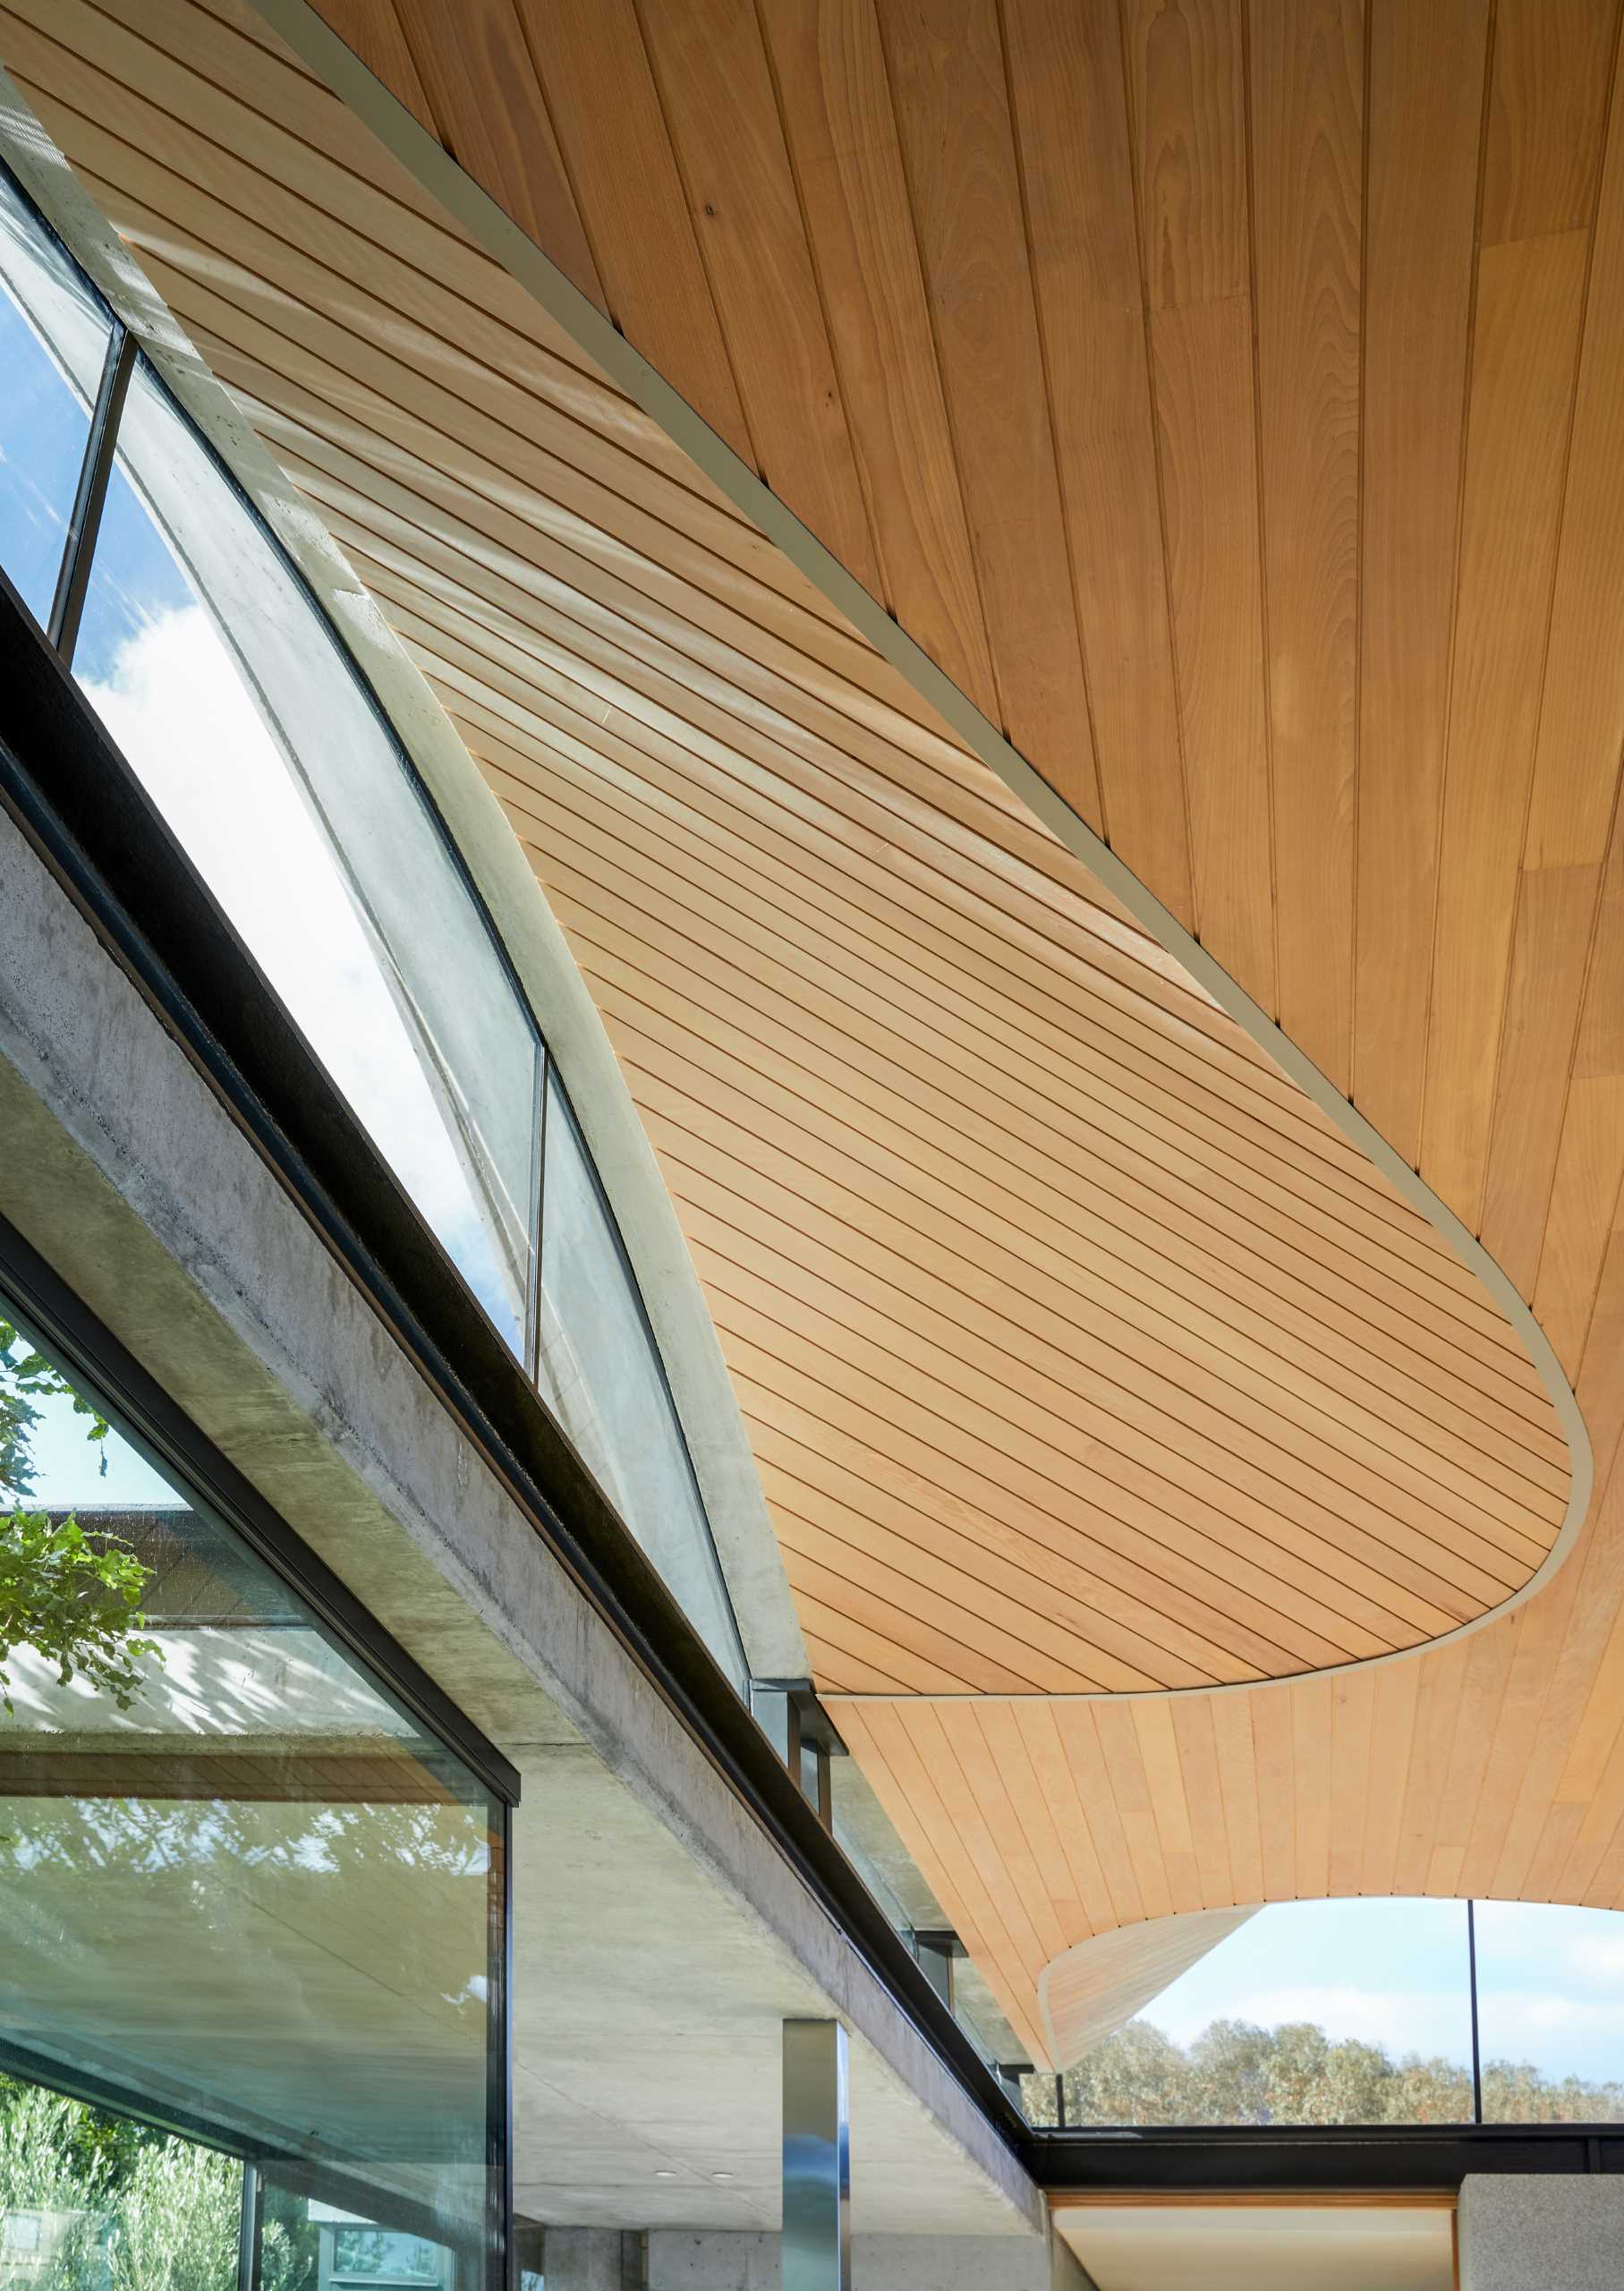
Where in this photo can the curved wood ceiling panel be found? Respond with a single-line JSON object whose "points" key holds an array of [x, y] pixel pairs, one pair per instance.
{"points": [[1232, 413], [1080, 1351]]}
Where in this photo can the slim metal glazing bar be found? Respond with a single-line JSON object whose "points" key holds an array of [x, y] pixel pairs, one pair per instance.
{"points": [[67, 607]]}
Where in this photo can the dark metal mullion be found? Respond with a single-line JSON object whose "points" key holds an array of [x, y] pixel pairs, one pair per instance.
{"points": [[501, 2258], [74, 580], [1472, 1992], [538, 1194], [248, 2230]]}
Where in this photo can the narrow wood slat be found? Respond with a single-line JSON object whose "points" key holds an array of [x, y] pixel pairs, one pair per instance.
{"points": [[946, 63], [1071, 121], [479, 76], [1581, 726], [1549, 98], [600, 95], [1423, 135], [735, 170], [1525, 344], [829, 74], [373, 30], [1550, 943], [1306, 76]]}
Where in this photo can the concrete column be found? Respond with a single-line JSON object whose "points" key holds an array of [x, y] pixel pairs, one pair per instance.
{"points": [[1542, 2231], [595, 2259]]}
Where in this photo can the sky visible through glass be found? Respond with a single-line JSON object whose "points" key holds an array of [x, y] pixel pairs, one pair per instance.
{"points": [[42, 443], [1551, 1980], [152, 663]]}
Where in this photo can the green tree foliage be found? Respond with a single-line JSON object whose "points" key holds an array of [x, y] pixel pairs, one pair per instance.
{"points": [[25, 1376], [76, 1598], [1234, 2072], [124, 2208]]}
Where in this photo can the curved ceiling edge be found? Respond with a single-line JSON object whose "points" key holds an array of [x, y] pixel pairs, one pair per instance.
{"points": [[684, 1331], [300, 25], [1096, 1987]]}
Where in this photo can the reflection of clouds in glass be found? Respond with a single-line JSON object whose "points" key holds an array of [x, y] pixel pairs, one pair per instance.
{"points": [[177, 706]]}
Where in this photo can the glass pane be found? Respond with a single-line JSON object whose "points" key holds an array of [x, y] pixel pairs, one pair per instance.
{"points": [[53, 344], [93, 2202], [1342, 2012], [239, 1886], [601, 1374], [1551, 2013], [226, 692]]}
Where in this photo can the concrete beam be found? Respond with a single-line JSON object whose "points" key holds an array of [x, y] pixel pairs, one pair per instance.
{"points": [[128, 1174], [700, 2262]]}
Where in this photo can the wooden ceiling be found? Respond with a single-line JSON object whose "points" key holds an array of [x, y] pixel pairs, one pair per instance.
{"points": [[1227, 399]]}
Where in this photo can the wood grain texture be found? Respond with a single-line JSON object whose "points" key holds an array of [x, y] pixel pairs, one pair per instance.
{"points": [[1529, 299], [1250, 381], [1307, 77], [1421, 153], [1071, 118], [947, 73]]}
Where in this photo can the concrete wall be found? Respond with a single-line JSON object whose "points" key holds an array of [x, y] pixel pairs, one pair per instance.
{"points": [[1542, 2232], [690, 2262]]}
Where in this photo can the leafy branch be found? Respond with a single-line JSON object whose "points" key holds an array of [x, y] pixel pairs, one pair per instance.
{"points": [[75, 1602], [25, 1375], [73, 1598]]}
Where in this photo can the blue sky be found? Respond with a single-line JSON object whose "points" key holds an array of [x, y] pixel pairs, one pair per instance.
{"points": [[65, 1465], [1550, 1979]]}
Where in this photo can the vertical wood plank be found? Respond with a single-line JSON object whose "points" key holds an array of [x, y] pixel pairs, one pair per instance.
{"points": [[1310, 1736], [724, 127], [1306, 78], [1391, 1740], [1237, 1778], [1080, 1735], [1550, 945], [1423, 134], [1581, 727], [1203, 355], [372, 30], [1184, 86], [1271, 1735], [1552, 70], [1165, 1780], [1125, 1765], [475, 69], [1197, 1742], [830, 72], [1352, 1713], [601, 98], [1047, 1752], [947, 65], [1524, 344], [1183, 61], [1071, 119]]}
